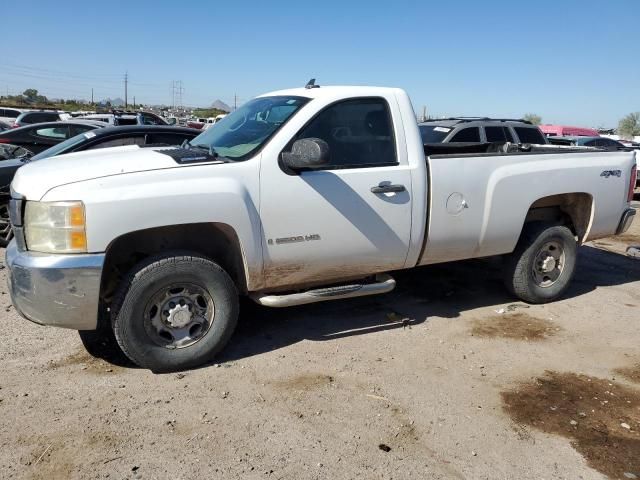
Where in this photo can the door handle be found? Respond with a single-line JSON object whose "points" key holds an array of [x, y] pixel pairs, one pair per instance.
{"points": [[388, 188]]}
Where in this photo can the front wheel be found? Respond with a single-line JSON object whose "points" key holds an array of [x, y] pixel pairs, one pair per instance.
{"points": [[541, 267], [174, 312], [6, 231]]}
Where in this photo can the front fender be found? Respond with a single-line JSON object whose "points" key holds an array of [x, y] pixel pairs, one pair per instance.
{"points": [[218, 193]]}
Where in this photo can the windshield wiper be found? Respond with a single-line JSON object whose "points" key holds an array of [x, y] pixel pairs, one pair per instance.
{"points": [[209, 149]]}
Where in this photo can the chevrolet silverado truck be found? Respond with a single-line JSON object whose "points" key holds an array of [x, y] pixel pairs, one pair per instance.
{"points": [[299, 196]]}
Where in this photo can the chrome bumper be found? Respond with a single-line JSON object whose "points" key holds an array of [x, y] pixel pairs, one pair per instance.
{"points": [[57, 290]]}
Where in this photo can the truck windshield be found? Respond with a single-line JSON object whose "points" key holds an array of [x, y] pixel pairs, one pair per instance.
{"points": [[243, 132]]}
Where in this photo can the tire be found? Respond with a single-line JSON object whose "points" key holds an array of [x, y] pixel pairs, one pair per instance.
{"points": [[529, 274], [101, 342], [97, 341], [174, 312], [6, 230]]}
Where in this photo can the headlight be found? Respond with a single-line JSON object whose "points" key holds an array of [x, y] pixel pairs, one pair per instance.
{"points": [[55, 227]]}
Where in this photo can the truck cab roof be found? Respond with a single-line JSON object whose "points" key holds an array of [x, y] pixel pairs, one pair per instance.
{"points": [[340, 91]]}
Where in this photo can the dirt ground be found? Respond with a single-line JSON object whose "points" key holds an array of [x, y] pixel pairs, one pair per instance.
{"points": [[446, 377]]}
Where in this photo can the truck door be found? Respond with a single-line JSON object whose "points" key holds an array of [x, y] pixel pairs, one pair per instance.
{"points": [[353, 217]]}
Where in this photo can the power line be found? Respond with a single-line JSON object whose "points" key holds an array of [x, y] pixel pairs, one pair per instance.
{"points": [[56, 80], [59, 72], [105, 83], [56, 91]]}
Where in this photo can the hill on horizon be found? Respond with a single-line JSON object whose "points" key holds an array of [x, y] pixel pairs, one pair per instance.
{"points": [[220, 105]]}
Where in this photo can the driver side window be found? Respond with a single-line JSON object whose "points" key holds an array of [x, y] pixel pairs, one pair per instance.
{"points": [[359, 133]]}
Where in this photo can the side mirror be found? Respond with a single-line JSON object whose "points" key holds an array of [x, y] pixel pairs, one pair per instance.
{"points": [[307, 153]]}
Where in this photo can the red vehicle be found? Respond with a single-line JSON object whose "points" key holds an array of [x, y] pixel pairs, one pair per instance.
{"points": [[565, 130], [195, 124]]}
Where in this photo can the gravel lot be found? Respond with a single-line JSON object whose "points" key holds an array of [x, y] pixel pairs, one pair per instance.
{"points": [[446, 377]]}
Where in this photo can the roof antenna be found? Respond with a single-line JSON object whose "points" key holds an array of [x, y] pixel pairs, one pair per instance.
{"points": [[311, 84]]}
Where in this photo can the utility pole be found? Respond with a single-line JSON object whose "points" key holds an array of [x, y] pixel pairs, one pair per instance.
{"points": [[92, 95], [180, 92], [235, 102], [126, 80], [134, 102], [177, 90]]}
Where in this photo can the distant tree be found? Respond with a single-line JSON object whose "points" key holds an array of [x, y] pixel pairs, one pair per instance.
{"points": [[533, 118], [30, 93], [629, 126], [208, 112]]}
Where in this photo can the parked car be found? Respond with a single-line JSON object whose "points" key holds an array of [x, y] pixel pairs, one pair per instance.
{"points": [[8, 168], [9, 152], [197, 123], [598, 142], [566, 130], [213, 120], [4, 126], [127, 118], [480, 130], [141, 135], [155, 245], [9, 115], [631, 144], [40, 136], [80, 113], [39, 116]]}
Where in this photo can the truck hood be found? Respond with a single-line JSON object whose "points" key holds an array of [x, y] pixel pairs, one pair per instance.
{"points": [[35, 179]]}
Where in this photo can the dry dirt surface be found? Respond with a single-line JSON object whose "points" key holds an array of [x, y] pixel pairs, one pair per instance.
{"points": [[447, 377]]}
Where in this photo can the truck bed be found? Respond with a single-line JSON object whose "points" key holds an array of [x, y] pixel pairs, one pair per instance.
{"points": [[474, 149], [477, 208]]}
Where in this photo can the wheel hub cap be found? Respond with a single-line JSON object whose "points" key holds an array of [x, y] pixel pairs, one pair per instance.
{"points": [[179, 316], [548, 264]]}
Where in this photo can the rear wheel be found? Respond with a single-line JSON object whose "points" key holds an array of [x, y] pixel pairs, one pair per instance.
{"points": [[174, 312], [541, 267], [6, 231]]}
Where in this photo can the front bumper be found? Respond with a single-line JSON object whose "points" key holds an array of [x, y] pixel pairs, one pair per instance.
{"points": [[57, 290]]}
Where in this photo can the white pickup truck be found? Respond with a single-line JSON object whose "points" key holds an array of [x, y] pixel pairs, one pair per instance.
{"points": [[299, 196]]}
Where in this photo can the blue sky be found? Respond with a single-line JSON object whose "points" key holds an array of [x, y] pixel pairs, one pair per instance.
{"points": [[575, 62]]}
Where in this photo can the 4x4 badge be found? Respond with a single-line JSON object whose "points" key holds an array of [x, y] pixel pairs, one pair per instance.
{"points": [[611, 173]]}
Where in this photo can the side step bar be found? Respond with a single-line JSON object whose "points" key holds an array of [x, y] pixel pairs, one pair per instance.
{"points": [[384, 283]]}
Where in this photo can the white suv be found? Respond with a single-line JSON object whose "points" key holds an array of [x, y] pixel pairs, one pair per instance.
{"points": [[9, 115], [127, 118]]}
